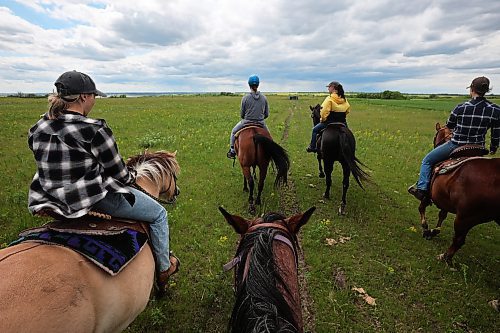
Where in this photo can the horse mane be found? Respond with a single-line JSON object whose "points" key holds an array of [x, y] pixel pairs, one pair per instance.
{"points": [[156, 166], [259, 306]]}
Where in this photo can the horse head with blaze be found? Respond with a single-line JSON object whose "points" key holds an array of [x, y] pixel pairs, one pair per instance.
{"points": [[51, 288]]}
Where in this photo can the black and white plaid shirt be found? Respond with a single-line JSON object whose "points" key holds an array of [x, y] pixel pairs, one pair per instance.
{"points": [[470, 122], [77, 164]]}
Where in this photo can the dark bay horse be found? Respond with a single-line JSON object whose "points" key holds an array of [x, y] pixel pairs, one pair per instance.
{"points": [[255, 149], [471, 192], [266, 274], [338, 144], [50, 288]]}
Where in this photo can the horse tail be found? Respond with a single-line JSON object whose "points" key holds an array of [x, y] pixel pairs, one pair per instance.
{"points": [[278, 155], [348, 149]]}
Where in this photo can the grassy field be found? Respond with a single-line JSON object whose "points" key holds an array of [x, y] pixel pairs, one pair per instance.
{"points": [[378, 243]]}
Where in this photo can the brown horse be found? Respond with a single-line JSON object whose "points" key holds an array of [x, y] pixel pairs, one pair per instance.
{"points": [[472, 192], [50, 288], [338, 144], [266, 274], [256, 148]]}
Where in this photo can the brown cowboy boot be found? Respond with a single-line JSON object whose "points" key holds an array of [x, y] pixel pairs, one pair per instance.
{"points": [[164, 276]]}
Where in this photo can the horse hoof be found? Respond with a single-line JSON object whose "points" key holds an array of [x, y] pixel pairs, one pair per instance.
{"points": [[435, 232], [342, 210], [427, 234], [321, 175], [245, 190], [326, 196], [443, 257]]}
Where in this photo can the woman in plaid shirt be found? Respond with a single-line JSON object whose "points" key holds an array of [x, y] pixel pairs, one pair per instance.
{"points": [[79, 168], [469, 121]]}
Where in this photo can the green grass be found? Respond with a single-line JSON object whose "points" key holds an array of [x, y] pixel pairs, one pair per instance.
{"points": [[385, 253]]}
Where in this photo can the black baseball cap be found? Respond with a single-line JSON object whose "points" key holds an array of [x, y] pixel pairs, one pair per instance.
{"points": [[333, 84], [71, 84]]}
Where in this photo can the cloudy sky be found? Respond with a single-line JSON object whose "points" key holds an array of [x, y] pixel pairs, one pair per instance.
{"points": [[424, 46]]}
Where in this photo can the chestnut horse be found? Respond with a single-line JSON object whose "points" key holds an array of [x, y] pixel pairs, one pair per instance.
{"points": [[338, 144], [50, 288], [266, 274], [471, 192], [256, 148]]}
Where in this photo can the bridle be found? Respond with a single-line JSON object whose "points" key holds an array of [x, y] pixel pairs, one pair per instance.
{"points": [[446, 138], [162, 193], [281, 234]]}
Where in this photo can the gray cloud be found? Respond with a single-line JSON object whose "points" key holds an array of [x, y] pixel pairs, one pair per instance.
{"points": [[293, 45]]}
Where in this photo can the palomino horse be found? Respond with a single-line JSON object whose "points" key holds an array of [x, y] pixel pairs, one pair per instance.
{"points": [[256, 148], [472, 192], [50, 288], [266, 278], [338, 144]]}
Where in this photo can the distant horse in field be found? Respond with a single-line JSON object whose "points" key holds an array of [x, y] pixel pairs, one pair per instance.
{"points": [[255, 149], [471, 191], [338, 144], [266, 274], [50, 288]]}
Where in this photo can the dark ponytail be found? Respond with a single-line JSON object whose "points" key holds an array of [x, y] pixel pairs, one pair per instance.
{"points": [[340, 90]]}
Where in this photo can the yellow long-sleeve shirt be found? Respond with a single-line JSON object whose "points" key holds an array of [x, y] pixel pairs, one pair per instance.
{"points": [[334, 103]]}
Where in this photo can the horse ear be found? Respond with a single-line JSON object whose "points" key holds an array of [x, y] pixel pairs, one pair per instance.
{"points": [[297, 221], [438, 126], [239, 224], [310, 107]]}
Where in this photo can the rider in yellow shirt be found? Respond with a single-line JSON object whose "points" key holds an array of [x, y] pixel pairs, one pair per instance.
{"points": [[334, 109]]}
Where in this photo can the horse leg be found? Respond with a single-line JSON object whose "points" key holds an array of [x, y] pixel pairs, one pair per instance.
{"points": [[462, 227], [426, 233], [442, 216], [321, 173], [262, 178], [245, 186], [328, 171], [345, 187], [249, 178]]}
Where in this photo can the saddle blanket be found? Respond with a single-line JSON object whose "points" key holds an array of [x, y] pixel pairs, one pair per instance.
{"points": [[109, 252]]}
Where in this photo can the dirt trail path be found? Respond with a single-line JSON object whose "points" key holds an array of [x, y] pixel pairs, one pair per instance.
{"points": [[289, 205]]}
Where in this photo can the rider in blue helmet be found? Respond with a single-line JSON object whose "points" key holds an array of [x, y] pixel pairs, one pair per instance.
{"points": [[253, 80], [254, 109]]}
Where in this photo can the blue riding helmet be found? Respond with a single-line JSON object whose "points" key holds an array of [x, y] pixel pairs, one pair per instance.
{"points": [[253, 80]]}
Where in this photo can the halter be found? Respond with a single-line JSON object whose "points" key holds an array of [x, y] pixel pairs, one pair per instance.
{"points": [[287, 239]]}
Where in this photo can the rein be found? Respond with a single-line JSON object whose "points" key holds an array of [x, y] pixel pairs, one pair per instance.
{"points": [[160, 201]]}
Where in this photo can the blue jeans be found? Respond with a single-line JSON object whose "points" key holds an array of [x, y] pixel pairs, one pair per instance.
{"points": [[438, 154], [145, 209], [316, 129], [242, 123]]}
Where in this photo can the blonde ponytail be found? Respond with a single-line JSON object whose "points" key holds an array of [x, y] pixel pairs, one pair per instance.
{"points": [[56, 106]]}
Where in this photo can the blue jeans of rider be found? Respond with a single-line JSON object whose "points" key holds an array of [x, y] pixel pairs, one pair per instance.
{"points": [[438, 154], [315, 132], [242, 123], [144, 209]]}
